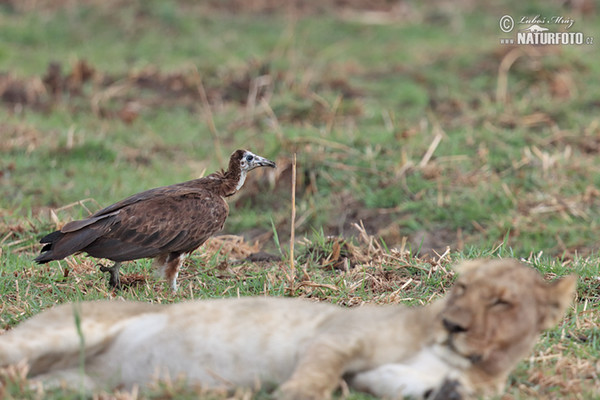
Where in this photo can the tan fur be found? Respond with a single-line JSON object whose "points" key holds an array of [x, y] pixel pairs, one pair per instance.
{"points": [[305, 348]]}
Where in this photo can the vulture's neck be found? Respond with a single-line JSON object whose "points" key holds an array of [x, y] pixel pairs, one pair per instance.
{"points": [[225, 184]]}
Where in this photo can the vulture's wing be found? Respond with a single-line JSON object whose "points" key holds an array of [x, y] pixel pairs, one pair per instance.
{"points": [[142, 196], [138, 197], [177, 221]]}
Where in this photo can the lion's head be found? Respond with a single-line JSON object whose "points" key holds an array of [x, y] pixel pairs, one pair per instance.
{"points": [[496, 310]]}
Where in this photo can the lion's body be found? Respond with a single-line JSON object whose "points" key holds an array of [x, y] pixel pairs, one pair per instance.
{"points": [[303, 347]]}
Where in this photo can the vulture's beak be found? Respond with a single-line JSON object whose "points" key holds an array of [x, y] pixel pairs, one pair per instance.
{"points": [[259, 161]]}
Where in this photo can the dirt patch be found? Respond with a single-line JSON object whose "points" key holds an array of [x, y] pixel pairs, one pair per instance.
{"points": [[334, 253], [233, 247], [299, 7], [127, 96], [16, 93], [18, 137], [57, 83], [435, 241]]}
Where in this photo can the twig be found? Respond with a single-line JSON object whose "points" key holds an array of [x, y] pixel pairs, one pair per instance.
{"points": [[319, 285], [18, 241], [208, 116], [9, 234], [79, 203], [326, 143], [265, 105], [116, 89], [293, 223], [436, 141], [502, 85], [332, 112], [255, 85], [23, 248]]}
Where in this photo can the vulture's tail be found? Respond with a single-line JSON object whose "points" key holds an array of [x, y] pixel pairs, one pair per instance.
{"points": [[46, 254], [58, 244], [74, 237]]}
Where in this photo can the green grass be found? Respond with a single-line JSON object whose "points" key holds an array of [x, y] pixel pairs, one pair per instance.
{"points": [[360, 105]]}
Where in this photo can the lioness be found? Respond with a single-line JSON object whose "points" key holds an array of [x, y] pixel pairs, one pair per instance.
{"points": [[464, 344]]}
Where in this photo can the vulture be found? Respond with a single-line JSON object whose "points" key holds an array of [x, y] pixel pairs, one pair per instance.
{"points": [[165, 223]]}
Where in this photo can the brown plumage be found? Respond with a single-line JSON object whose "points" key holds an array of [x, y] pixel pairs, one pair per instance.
{"points": [[164, 223]]}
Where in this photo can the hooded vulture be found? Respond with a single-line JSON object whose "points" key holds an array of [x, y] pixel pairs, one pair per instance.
{"points": [[164, 223]]}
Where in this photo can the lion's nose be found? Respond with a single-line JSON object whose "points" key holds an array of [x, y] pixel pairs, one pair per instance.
{"points": [[453, 327]]}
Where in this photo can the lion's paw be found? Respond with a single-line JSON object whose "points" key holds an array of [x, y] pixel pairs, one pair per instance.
{"points": [[450, 389], [295, 391]]}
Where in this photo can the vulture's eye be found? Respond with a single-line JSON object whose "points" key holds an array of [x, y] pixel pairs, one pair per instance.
{"points": [[249, 158]]}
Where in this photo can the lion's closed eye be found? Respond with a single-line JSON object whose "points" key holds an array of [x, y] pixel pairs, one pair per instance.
{"points": [[499, 303]]}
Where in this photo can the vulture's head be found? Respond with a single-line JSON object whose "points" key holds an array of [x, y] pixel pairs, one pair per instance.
{"points": [[244, 161], [248, 160]]}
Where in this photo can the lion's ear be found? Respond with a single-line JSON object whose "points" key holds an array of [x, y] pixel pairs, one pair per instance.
{"points": [[554, 300], [469, 265]]}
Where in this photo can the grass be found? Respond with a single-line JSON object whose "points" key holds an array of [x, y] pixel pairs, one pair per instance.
{"points": [[177, 86]]}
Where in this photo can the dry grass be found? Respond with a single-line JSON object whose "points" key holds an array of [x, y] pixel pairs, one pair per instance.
{"points": [[334, 270]]}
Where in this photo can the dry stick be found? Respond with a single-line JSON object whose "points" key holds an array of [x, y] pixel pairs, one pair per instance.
{"points": [[293, 225], [434, 144], [255, 85], [332, 113], [267, 108], [9, 234], [502, 85], [116, 89], [208, 116], [326, 143], [79, 203]]}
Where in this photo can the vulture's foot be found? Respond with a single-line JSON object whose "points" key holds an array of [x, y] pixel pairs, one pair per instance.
{"points": [[113, 281]]}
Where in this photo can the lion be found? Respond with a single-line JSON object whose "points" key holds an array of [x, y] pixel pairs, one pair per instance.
{"points": [[462, 345]]}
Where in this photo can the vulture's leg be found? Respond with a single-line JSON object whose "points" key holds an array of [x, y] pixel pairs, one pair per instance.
{"points": [[114, 281], [171, 269]]}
